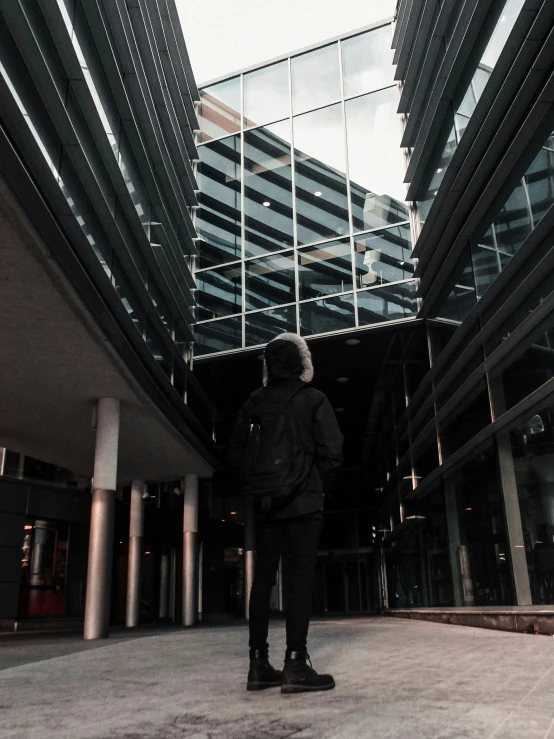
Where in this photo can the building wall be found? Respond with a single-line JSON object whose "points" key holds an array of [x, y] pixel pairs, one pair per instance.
{"points": [[301, 218]]}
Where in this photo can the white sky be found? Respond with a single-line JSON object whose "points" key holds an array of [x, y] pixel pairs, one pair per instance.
{"points": [[223, 36]]}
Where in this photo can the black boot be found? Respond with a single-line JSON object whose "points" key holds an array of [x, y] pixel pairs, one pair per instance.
{"points": [[298, 677], [261, 674]]}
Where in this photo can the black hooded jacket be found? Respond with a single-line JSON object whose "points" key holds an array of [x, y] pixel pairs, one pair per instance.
{"points": [[287, 358]]}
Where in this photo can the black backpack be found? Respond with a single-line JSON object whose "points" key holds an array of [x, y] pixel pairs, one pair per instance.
{"points": [[275, 463]]}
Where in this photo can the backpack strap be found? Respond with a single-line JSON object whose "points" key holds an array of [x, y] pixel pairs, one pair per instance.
{"points": [[286, 391]]}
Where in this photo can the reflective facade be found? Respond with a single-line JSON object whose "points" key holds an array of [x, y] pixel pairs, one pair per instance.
{"points": [[464, 438], [302, 220]]}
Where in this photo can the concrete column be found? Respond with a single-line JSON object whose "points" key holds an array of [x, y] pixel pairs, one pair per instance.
{"points": [[249, 547], [99, 574], [136, 526], [173, 585], [163, 611], [454, 539], [512, 513], [200, 583], [190, 535]]}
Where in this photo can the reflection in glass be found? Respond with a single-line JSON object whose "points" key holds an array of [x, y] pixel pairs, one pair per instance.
{"points": [[263, 326], [268, 190], [461, 298], [218, 217], [331, 314], [315, 78], [219, 292], [269, 281], [533, 452], [127, 295], [321, 194], [219, 112], [376, 163], [266, 94], [383, 256], [325, 269], [218, 336], [464, 109], [160, 352], [514, 222], [389, 303], [488, 263], [367, 62]]}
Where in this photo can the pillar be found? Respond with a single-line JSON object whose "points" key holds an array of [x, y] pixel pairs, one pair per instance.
{"points": [[99, 573], [163, 611], [190, 535], [249, 547], [173, 584], [136, 526], [512, 512], [454, 538]]}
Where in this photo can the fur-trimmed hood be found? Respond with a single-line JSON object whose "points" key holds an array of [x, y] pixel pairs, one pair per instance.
{"points": [[288, 356]]}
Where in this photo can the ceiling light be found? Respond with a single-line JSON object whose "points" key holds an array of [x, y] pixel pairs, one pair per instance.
{"points": [[469, 509], [343, 379], [318, 193], [352, 342], [266, 203]]}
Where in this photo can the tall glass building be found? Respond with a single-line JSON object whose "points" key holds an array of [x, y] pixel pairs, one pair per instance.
{"points": [[302, 223]]}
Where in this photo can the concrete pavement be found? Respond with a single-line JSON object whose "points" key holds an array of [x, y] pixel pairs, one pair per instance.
{"points": [[395, 679]]}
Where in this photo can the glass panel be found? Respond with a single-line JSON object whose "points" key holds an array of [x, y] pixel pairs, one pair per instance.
{"points": [[218, 217], [263, 326], [482, 531], [219, 292], [315, 78], [325, 269], [462, 111], [539, 179], [266, 94], [321, 195], [367, 62], [533, 451], [127, 295], [160, 352], [160, 304], [383, 256], [219, 112], [514, 223], [322, 316], [268, 190], [387, 303], [218, 336], [376, 162], [270, 281]]}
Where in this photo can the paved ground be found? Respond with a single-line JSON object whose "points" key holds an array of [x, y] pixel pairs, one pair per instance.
{"points": [[395, 679]]}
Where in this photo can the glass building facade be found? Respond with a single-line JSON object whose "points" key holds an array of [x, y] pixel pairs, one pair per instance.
{"points": [[302, 220]]}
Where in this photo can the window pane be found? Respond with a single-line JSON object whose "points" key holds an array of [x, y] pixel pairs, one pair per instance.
{"points": [[367, 62], [218, 217], [322, 316], [376, 162], [383, 256], [218, 336], [263, 326], [387, 303], [270, 281], [514, 224], [266, 94], [160, 352], [219, 109], [315, 78], [127, 295], [219, 292], [321, 195], [325, 269], [539, 179], [268, 189]]}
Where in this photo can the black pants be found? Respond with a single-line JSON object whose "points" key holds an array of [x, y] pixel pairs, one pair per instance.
{"points": [[301, 536]]}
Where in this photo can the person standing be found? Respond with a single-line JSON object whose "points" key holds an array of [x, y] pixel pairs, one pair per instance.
{"points": [[286, 448]]}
